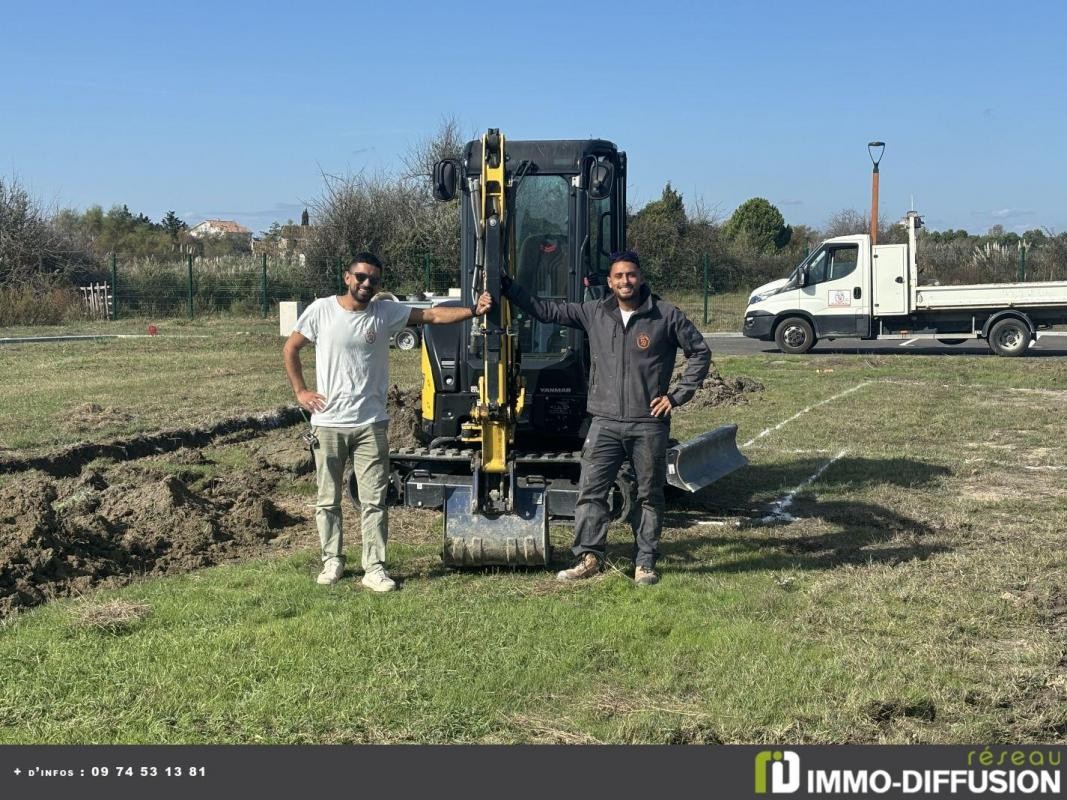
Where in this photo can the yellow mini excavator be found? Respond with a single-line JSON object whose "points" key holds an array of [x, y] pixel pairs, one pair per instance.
{"points": [[503, 396]]}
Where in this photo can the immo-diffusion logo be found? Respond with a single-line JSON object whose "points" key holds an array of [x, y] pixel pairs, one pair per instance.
{"points": [[784, 769]]}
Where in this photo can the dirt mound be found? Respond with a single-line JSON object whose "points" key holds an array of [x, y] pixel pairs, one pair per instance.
{"points": [[289, 453], [61, 537], [405, 412], [717, 390]]}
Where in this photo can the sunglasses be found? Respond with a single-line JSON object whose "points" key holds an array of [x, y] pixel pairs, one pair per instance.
{"points": [[360, 277]]}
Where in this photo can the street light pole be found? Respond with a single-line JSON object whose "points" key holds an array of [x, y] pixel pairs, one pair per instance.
{"points": [[871, 148]]}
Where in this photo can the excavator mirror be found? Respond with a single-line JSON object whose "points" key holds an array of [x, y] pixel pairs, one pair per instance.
{"points": [[601, 175], [444, 180]]}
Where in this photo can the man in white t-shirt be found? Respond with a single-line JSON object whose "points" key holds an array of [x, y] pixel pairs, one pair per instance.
{"points": [[349, 419]]}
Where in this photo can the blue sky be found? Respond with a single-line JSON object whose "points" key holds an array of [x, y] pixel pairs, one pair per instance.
{"points": [[235, 110]]}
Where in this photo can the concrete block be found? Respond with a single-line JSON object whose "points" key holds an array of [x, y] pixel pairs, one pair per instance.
{"points": [[289, 312]]}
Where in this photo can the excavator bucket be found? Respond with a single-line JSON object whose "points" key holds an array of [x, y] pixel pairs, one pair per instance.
{"points": [[519, 538], [704, 459]]}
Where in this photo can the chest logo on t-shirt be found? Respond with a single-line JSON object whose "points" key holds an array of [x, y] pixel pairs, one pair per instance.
{"points": [[371, 336], [643, 341]]}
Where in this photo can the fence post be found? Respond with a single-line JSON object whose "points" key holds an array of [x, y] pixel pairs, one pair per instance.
{"points": [[707, 287], [114, 287], [426, 269], [1022, 261], [189, 263], [340, 275], [264, 284]]}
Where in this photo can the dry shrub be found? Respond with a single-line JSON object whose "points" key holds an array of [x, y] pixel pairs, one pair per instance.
{"points": [[39, 301]]}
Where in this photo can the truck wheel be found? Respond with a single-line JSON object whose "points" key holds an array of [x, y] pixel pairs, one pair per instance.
{"points": [[1009, 337], [794, 335], [407, 339]]}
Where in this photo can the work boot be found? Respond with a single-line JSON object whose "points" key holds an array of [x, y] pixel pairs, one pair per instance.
{"points": [[378, 581], [588, 566], [332, 570], [645, 576]]}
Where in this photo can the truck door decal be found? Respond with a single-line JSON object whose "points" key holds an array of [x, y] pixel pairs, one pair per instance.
{"points": [[837, 298]]}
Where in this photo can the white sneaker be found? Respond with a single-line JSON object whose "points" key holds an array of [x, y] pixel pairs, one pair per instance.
{"points": [[378, 581], [332, 570]]}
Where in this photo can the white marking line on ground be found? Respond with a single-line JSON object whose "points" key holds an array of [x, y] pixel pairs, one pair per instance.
{"points": [[984, 386], [796, 451], [778, 511], [804, 411], [89, 336], [910, 341], [710, 522], [1028, 466]]}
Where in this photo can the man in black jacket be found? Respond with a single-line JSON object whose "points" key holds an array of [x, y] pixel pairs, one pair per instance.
{"points": [[633, 340]]}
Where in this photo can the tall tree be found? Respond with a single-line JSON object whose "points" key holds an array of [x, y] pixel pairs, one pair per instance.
{"points": [[757, 223], [173, 227]]}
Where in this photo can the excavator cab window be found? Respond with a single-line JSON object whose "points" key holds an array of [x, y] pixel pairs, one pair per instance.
{"points": [[542, 255]]}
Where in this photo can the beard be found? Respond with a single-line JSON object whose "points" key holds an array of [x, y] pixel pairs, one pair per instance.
{"points": [[361, 295]]}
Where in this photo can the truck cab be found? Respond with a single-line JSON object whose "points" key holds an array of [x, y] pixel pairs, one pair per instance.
{"points": [[827, 295]]}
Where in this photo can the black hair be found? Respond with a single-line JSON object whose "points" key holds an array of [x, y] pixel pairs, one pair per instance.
{"points": [[626, 255], [366, 258]]}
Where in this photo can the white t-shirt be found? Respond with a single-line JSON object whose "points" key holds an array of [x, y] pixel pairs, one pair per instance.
{"points": [[625, 315], [351, 358]]}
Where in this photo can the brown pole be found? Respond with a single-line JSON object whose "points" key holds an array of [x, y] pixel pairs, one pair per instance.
{"points": [[874, 206], [872, 147]]}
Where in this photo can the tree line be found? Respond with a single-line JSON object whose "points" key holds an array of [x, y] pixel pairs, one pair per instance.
{"points": [[394, 215]]}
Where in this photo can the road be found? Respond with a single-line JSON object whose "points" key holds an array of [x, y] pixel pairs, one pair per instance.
{"points": [[734, 344]]}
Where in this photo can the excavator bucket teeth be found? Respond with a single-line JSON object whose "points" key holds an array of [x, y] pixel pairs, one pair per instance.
{"points": [[473, 539], [704, 459]]}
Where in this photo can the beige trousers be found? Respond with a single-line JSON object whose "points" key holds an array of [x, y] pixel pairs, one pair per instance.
{"points": [[368, 447]]}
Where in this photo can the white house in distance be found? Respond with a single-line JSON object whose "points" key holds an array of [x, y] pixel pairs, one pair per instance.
{"points": [[220, 227]]}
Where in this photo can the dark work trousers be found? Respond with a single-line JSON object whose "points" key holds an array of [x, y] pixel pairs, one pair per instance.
{"points": [[607, 446]]}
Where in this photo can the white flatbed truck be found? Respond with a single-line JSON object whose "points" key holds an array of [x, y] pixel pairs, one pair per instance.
{"points": [[848, 289]]}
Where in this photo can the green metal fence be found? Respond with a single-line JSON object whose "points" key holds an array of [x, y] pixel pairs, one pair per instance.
{"points": [[255, 284]]}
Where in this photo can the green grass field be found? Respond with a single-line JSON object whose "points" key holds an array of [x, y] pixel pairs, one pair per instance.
{"points": [[908, 585]]}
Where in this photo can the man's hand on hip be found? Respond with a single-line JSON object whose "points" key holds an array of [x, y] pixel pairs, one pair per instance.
{"points": [[312, 401], [661, 406]]}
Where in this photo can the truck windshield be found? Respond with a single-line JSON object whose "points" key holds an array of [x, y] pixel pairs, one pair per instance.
{"points": [[542, 254]]}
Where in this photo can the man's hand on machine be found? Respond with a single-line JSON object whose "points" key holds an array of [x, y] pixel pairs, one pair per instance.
{"points": [[485, 302]]}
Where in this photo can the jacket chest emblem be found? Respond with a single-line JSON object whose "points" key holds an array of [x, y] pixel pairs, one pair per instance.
{"points": [[371, 336], [643, 341]]}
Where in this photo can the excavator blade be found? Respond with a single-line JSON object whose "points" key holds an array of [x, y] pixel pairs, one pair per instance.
{"points": [[473, 539], [704, 459]]}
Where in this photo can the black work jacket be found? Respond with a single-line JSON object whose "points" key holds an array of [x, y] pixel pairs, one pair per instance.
{"points": [[631, 364]]}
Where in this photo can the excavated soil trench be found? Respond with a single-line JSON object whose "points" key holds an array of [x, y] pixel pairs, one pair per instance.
{"points": [[103, 513]]}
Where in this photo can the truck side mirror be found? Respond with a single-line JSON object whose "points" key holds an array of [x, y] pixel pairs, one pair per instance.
{"points": [[803, 277], [601, 177], [445, 178]]}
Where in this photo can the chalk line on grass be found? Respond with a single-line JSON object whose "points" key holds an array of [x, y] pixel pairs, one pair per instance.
{"points": [[778, 513], [804, 411]]}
